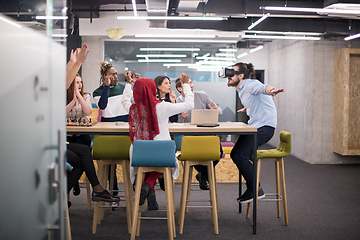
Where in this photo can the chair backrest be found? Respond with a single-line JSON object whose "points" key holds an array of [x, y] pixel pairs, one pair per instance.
{"points": [[285, 142], [107, 147], [153, 153], [178, 139], [200, 148]]}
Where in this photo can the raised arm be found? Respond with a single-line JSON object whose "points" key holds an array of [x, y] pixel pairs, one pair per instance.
{"points": [[77, 58]]}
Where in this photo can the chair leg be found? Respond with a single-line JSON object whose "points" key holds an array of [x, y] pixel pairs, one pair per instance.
{"points": [[184, 193], [277, 182], [68, 224], [212, 192], [283, 189], [248, 210], [88, 193], [135, 219], [111, 182], [129, 194], [217, 199], [169, 203], [191, 169]]}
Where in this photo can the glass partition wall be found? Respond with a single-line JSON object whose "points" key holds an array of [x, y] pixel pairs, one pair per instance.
{"points": [[201, 61]]}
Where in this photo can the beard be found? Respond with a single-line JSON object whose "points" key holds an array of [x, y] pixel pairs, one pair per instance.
{"points": [[233, 83]]}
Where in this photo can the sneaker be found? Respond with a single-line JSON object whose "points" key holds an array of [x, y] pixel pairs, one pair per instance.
{"points": [[144, 192], [152, 203], [115, 205], [248, 196]]}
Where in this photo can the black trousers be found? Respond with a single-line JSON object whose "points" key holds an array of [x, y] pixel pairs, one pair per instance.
{"points": [[79, 157], [243, 151]]}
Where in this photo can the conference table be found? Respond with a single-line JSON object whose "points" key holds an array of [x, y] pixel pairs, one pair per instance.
{"points": [[224, 128]]}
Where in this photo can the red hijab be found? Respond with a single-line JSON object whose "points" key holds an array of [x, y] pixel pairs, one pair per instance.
{"points": [[143, 122]]}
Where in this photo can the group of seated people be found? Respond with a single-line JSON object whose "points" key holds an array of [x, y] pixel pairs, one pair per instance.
{"points": [[153, 106], [122, 102]]}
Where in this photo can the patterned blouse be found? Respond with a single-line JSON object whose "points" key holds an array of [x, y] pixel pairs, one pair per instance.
{"points": [[76, 112]]}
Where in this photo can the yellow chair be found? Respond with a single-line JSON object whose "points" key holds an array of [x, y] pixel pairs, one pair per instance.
{"points": [[150, 156], [199, 150], [110, 150], [276, 155]]}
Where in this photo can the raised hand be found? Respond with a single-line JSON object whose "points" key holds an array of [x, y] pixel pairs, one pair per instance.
{"points": [[81, 54], [185, 114], [127, 75], [108, 79], [184, 78], [172, 96], [136, 76], [213, 106]]}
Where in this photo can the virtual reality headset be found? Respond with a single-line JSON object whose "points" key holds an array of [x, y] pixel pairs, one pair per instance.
{"points": [[229, 72]]}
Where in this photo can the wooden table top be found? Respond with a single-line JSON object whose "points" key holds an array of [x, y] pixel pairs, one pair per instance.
{"points": [[224, 128]]}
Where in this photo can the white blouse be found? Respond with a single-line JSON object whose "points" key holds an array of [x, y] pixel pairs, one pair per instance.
{"points": [[163, 111]]}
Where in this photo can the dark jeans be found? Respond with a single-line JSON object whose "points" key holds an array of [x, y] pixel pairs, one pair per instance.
{"points": [[243, 151], [79, 157]]}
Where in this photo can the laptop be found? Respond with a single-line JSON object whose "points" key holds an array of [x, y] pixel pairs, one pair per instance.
{"points": [[205, 117]]}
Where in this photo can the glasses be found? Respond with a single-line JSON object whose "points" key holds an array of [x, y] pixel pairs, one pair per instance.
{"points": [[114, 74]]}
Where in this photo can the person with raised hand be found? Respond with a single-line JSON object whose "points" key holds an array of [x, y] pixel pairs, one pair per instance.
{"points": [[152, 124]]}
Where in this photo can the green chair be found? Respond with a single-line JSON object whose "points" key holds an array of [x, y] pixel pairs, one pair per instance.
{"points": [[109, 150], [276, 155], [199, 150]]}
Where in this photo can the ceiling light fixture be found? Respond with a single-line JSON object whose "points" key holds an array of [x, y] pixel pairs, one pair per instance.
{"points": [[10, 22], [242, 55], [171, 49], [173, 36], [217, 58], [352, 37], [161, 55], [159, 60], [227, 50], [258, 21], [133, 2], [171, 18], [51, 17], [224, 54], [314, 10], [281, 37], [256, 49], [180, 40]]}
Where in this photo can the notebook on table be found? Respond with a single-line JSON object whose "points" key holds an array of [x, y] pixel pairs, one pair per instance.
{"points": [[205, 117]]}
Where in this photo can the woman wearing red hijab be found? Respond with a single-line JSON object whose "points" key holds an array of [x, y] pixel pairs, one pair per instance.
{"points": [[148, 120]]}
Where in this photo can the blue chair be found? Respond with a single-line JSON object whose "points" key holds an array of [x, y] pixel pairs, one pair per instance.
{"points": [[150, 156]]}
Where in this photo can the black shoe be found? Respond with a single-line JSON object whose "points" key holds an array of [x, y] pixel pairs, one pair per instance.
{"points": [[145, 189], [161, 183], [202, 181], [152, 203], [248, 196], [104, 196], [69, 204], [76, 189]]}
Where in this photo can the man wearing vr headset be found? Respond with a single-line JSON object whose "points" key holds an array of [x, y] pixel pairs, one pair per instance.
{"points": [[259, 106]]}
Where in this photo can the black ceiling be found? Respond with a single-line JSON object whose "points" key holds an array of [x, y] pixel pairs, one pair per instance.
{"points": [[25, 10]]}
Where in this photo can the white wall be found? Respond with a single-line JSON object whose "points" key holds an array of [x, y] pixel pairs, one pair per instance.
{"points": [[305, 69]]}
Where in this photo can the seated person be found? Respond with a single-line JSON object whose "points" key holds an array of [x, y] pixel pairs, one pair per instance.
{"points": [[201, 101], [151, 124]]}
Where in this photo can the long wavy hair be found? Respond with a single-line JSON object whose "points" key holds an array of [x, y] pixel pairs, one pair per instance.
{"points": [[70, 90]]}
